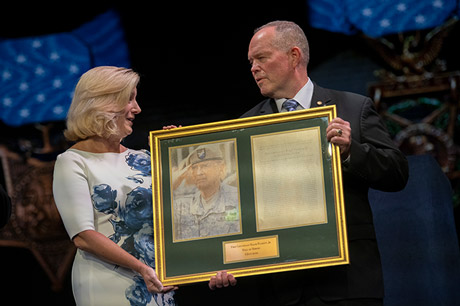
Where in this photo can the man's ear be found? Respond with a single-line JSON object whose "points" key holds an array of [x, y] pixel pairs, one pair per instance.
{"points": [[295, 56]]}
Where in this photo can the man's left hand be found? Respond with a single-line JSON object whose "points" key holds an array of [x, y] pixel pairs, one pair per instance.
{"points": [[339, 133]]}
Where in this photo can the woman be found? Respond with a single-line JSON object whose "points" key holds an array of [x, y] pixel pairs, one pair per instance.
{"points": [[103, 193]]}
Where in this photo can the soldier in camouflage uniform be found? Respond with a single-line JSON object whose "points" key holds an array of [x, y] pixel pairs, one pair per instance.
{"points": [[214, 208]]}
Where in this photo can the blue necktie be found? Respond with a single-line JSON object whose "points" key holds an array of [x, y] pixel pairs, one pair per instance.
{"points": [[290, 105]]}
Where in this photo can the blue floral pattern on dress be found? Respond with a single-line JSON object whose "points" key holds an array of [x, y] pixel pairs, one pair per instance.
{"points": [[144, 245], [141, 163], [133, 221], [104, 199], [137, 294], [138, 208]]}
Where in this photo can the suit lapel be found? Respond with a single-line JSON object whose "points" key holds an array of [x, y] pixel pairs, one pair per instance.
{"points": [[268, 107], [320, 97]]}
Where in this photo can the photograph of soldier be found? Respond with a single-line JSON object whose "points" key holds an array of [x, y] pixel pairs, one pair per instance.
{"points": [[205, 191]]}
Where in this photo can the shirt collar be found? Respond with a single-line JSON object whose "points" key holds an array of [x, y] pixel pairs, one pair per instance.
{"points": [[303, 97]]}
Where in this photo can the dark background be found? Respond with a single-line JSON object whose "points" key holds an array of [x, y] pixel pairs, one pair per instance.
{"points": [[192, 58], [193, 63]]}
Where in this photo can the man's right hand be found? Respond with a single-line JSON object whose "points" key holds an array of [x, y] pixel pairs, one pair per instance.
{"points": [[222, 279]]}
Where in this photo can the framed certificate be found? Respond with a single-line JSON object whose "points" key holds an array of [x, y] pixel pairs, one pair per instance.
{"points": [[251, 196]]}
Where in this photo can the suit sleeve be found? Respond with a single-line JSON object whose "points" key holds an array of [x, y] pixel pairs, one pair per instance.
{"points": [[374, 158]]}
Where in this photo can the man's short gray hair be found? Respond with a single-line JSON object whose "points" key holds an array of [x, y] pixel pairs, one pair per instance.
{"points": [[288, 35]]}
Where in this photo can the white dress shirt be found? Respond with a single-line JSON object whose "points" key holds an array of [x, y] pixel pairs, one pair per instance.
{"points": [[303, 97]]}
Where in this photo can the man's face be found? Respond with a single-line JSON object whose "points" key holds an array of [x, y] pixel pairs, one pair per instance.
{"points": [[269, 66], [207, 173]]}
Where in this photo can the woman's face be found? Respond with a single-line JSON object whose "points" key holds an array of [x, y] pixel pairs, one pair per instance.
{"points": [[125, 121]]}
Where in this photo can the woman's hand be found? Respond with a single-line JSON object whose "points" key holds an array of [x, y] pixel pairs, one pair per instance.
{"points": [[153, 283]]}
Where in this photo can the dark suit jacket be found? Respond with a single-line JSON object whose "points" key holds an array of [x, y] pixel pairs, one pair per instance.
{"points": [[374, 162]]}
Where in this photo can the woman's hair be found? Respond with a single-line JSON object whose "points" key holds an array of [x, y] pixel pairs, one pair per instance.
{"points": [[100, 97]]}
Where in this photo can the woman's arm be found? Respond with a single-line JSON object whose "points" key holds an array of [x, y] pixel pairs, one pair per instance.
{"points": [[96, 243]]}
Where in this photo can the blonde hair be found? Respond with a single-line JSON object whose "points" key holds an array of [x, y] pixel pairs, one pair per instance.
{"points": [[100, 97]]}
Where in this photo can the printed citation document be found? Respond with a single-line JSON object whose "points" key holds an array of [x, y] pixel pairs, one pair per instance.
{"points": [[288, 179]]}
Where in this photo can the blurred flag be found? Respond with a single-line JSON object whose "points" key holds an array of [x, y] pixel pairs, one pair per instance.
{"points": [[38, 74], [377, 18]]}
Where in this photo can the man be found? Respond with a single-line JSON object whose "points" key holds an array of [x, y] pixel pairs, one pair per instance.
{"points": [[214, 209], [279, 55]]}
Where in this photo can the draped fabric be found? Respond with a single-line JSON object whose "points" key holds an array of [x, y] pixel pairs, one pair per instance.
{"points": [[377, 18], [38, 74]]}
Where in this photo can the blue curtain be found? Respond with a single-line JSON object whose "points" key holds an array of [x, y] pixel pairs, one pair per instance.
{"points": [[38, 74], [377, 18]]}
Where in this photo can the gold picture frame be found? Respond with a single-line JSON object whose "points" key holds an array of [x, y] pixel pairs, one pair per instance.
{"points": [[251, 196]]}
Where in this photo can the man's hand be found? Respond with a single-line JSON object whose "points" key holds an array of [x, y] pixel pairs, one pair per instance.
{"points": [[339, 133], [222, 279], [170, 127]]}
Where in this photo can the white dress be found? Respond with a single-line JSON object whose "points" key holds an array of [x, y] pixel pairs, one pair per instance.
{"points": [[110, 193]]}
